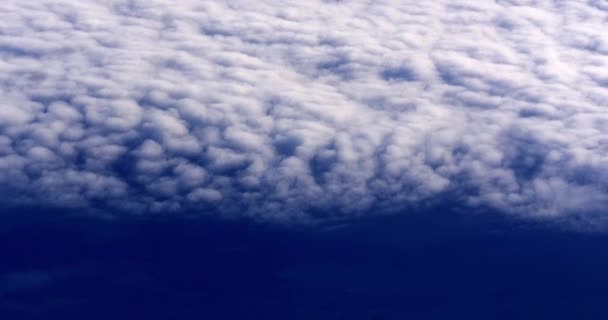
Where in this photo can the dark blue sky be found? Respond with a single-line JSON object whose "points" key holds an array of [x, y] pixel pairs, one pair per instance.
{"points": [[433, 265]]}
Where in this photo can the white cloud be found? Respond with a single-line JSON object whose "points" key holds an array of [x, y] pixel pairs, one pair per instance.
{"points": [[277, 109]]}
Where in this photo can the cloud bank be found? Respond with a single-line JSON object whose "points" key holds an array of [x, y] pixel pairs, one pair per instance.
{"points": [[299, 110]]}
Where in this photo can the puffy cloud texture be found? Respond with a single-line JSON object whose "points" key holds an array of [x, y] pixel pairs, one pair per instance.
{"points": [[292, 110]]}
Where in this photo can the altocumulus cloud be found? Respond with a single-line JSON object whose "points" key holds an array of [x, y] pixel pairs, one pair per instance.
{"points": [[295, 110]]}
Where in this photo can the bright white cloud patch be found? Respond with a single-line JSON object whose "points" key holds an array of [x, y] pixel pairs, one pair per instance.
{"points": [[284, 109]]}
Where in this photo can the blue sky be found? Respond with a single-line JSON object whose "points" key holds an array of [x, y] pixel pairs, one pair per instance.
{"points": [[315, 115], [431, 265]]}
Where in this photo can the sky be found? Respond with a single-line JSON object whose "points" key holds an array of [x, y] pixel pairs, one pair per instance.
{"points": [[424, 266], [317, 120]]}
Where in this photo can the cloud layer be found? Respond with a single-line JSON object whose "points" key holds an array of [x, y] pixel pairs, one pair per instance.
{"points": [[289, 110]]}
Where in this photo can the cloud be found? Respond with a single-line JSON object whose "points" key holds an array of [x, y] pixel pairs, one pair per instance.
{"points": [[279, 110]]}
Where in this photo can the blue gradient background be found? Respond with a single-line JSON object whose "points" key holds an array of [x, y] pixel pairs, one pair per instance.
{"points": [[432, 265]]}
